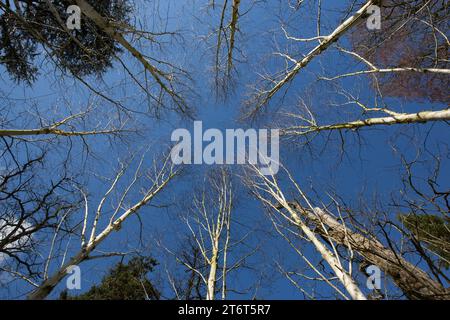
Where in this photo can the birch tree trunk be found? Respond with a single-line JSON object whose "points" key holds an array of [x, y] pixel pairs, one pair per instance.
{"points": [[266, 188], [412, 280], [164, 80], [208, 221], [160, 181], [325, 43]]}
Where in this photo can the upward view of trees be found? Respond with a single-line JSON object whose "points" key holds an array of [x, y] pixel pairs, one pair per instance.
{"points": [[357, 89], [124, 282]]}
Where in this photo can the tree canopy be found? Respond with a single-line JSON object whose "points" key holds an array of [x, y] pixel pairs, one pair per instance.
{"points": [[125, 281]]}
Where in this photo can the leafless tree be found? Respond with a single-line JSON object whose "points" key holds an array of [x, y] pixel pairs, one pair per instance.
{"points": [[392, 66], [214, 252], [273, 84], [351, 236]]}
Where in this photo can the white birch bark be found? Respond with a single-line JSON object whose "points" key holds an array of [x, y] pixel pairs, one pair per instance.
{"points": [[398, 118], [209, 225], [267, 188], [162, 178]]}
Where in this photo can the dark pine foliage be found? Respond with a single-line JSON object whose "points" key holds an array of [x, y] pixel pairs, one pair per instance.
{"points": [[33, 29], [123, 282]]}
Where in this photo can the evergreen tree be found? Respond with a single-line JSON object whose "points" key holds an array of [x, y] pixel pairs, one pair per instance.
{"points": [[433, 231], [33, 25]]}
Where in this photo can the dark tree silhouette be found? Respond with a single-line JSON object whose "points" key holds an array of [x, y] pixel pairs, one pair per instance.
{"points": [[32, 209]]}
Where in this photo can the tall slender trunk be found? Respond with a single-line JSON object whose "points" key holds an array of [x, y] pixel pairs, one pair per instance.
{"points": [[321, 47], [211, 285], [413, 281], [49, 284]]}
